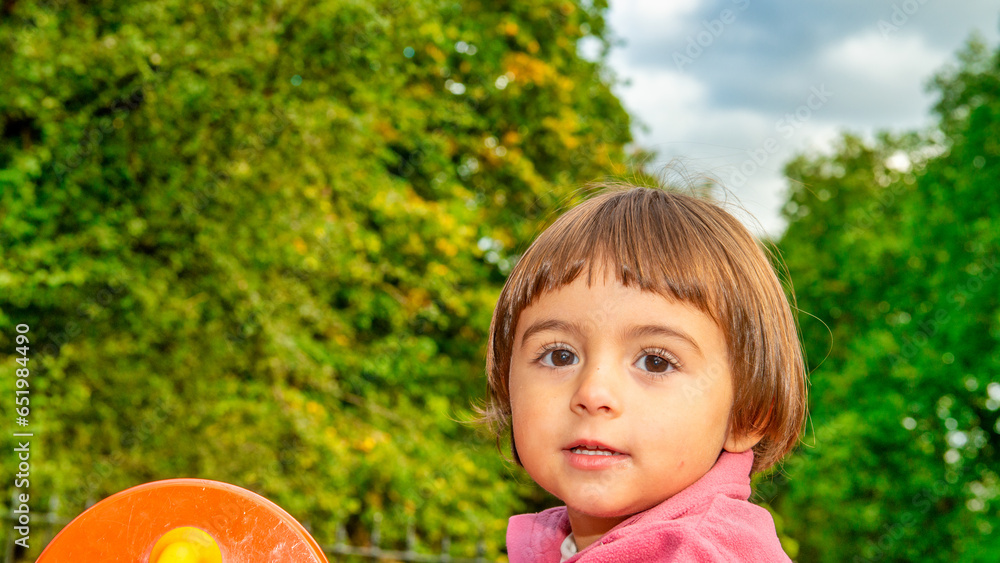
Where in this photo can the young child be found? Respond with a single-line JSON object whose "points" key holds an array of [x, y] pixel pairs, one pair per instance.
{"points": [[646, 360]]}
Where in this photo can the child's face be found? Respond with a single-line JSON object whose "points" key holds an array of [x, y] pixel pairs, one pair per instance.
{"points": [[627, 373]]}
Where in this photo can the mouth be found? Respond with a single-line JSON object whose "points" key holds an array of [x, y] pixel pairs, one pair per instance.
{"points": [[593, 449]]}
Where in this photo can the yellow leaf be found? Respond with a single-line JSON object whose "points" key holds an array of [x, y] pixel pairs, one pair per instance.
{"points": [[526, 68], [438, 269], [386, 130], [435, 53], [446, 247], [366, 445]]}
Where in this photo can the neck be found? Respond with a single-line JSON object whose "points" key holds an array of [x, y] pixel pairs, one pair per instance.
{"points": [[587, 529]]}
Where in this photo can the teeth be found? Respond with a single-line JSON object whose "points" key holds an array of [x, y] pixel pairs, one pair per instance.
{"points": [[587, 451]]}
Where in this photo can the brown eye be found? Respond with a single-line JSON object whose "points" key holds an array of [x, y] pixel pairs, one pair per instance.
{"points": [[654, 364], [559, 358]]}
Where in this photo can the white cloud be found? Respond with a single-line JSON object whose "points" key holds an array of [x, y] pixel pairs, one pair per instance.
{"points": [[882, 59], [661, 96], [880, 78], [639, 21]]}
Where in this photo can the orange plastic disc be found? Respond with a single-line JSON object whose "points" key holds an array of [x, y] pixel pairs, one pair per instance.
{"points": [[184, 520]]}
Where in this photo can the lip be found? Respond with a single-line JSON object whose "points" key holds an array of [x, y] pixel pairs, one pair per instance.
{"points": [[593, 462]]}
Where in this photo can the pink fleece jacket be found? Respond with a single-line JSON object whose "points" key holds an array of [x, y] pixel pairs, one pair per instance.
{"points": [[710, 521]]}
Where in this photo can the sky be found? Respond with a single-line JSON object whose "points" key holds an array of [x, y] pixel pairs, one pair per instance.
{"points": [[735, 88]]}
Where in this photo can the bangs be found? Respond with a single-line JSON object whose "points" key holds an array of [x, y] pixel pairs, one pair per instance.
{"points": [[647, 239]]}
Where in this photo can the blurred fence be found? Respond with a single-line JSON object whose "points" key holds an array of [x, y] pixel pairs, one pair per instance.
{"points": [[44, 527]]}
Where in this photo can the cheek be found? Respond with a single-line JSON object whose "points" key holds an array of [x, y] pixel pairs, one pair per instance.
{"points": [[523, 432], [524, 396], [518, 408], [531, 415], [681, 420], [524, 411]]}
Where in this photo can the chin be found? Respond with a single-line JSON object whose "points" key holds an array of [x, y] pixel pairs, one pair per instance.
{"points": [[604, 510]]}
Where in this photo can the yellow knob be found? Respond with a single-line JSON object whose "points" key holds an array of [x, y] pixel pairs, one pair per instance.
{"points": [[186, 545]]}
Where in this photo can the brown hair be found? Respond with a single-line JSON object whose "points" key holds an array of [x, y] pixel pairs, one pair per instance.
{"points": [[683, 248]]}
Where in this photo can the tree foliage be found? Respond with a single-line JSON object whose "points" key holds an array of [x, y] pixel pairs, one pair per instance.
{"points": [[894, 247], [261, 242]]}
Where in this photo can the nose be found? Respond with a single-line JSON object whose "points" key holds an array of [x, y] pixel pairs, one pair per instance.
{"points": [[597, 391]]}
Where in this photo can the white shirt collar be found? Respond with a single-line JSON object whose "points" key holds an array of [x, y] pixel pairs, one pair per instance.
{"points": [[568, 548]]}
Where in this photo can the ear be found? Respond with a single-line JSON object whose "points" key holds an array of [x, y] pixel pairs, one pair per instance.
{"points": [[739, 443]]}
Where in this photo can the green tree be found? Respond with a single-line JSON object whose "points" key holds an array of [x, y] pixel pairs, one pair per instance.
{"points": [[894, 247], [261, 242]]}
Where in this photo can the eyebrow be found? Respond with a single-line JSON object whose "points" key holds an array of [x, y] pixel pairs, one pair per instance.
{"points": [[550, 324], [660, 330], [631, 332]]}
